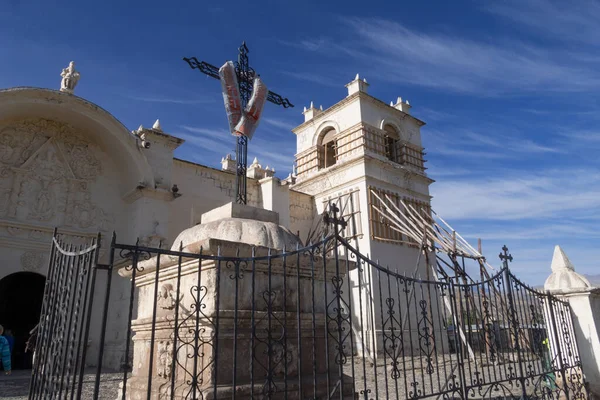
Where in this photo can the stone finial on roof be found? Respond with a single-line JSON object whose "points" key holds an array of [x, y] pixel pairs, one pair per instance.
{"points": [[563, 277], [157, 126], [228, 164], [357, 85], [311, 112], [70, 77], [403, 106]]}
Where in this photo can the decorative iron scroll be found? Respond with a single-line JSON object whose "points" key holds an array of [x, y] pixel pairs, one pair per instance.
{"points": [[320, 321]]}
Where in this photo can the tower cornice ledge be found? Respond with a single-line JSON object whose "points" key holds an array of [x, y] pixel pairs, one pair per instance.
{"points": [[322, 116]]}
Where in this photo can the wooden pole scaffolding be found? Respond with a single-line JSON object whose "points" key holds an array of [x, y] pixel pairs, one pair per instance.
{"points": [[443, 239]]}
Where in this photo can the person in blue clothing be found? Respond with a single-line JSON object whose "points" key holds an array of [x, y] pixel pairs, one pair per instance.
{"points": [[5, 353], [11, 339]]}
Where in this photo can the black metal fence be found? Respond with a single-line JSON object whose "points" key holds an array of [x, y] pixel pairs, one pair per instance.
{"points": [[228, 320]]}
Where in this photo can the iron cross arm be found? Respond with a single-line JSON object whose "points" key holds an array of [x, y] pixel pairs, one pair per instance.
{"points": [[330, 218], [213, 72], [505, 256]]}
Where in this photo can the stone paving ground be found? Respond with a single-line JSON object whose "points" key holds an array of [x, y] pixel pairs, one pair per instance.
{"points": [[16, 386]]}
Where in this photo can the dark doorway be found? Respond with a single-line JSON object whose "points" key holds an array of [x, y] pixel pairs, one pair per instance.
{"points": [[21, 297]]}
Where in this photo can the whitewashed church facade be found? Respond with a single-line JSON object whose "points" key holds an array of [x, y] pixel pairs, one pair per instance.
{"points": [[67, 163]]}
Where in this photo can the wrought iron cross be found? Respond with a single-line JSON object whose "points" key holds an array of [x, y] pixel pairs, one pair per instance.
{"points": [[506, 257], [338, 223], [245, 76]]}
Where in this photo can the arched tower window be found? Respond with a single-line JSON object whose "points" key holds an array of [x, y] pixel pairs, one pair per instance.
{"points": [[329, 144], [392, 141]]}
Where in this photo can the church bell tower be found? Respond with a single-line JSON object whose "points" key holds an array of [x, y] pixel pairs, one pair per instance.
{"points": [[356, 151]]}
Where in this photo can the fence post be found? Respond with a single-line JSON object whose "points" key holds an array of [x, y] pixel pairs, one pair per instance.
{"points": [[458, 342], [551, 301], [109, 272], [514, 322]]}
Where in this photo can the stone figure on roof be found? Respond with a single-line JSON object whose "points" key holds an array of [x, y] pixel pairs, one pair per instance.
{"points": [[70, 77]]}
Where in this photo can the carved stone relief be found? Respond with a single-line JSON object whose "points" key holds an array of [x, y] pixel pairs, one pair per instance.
{"points": [[33, 261], [46, 168], [165, 359], [167, 298]]}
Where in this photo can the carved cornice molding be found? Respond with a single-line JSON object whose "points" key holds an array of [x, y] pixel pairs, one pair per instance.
{"points": [[40, 229]]}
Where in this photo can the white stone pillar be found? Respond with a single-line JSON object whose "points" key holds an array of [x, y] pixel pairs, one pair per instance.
{"points": [[276, 197], [584, 301]]}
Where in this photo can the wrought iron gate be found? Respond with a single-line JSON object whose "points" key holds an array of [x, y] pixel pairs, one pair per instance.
{"points": [[64, 325], [323, 321]]}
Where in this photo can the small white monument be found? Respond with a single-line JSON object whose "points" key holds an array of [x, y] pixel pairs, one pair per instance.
{"points": [[584, 301], [217, 312]]}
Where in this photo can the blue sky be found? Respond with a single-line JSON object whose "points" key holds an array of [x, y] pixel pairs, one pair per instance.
{"points": [[509, 91]]}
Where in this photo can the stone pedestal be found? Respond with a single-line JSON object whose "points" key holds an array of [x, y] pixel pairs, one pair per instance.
{"points": [[238, 312], [584, 301]]}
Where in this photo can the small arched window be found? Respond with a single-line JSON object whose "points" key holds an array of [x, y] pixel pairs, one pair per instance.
{"points": [[392, 141], [328, 142]]}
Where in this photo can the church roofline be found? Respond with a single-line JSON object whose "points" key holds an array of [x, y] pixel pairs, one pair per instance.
{"points": [[342, 103], [21, 100], [67, 96], [195, 164]]}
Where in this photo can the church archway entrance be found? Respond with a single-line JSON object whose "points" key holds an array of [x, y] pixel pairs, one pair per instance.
{"points": [[21, 296]]}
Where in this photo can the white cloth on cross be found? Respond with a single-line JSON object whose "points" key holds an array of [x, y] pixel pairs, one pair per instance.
{"points": [[241, 122]]}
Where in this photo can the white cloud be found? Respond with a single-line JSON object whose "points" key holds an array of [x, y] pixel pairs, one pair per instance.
{"points": [[453, 62], [483, 66], [556, 194], [217, 147], [278, 123], [544, 231], [215, 133], [313, 78], [570, 22]]}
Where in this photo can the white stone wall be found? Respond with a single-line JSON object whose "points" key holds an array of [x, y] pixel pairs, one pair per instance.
{"points": [[302, 213]]}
